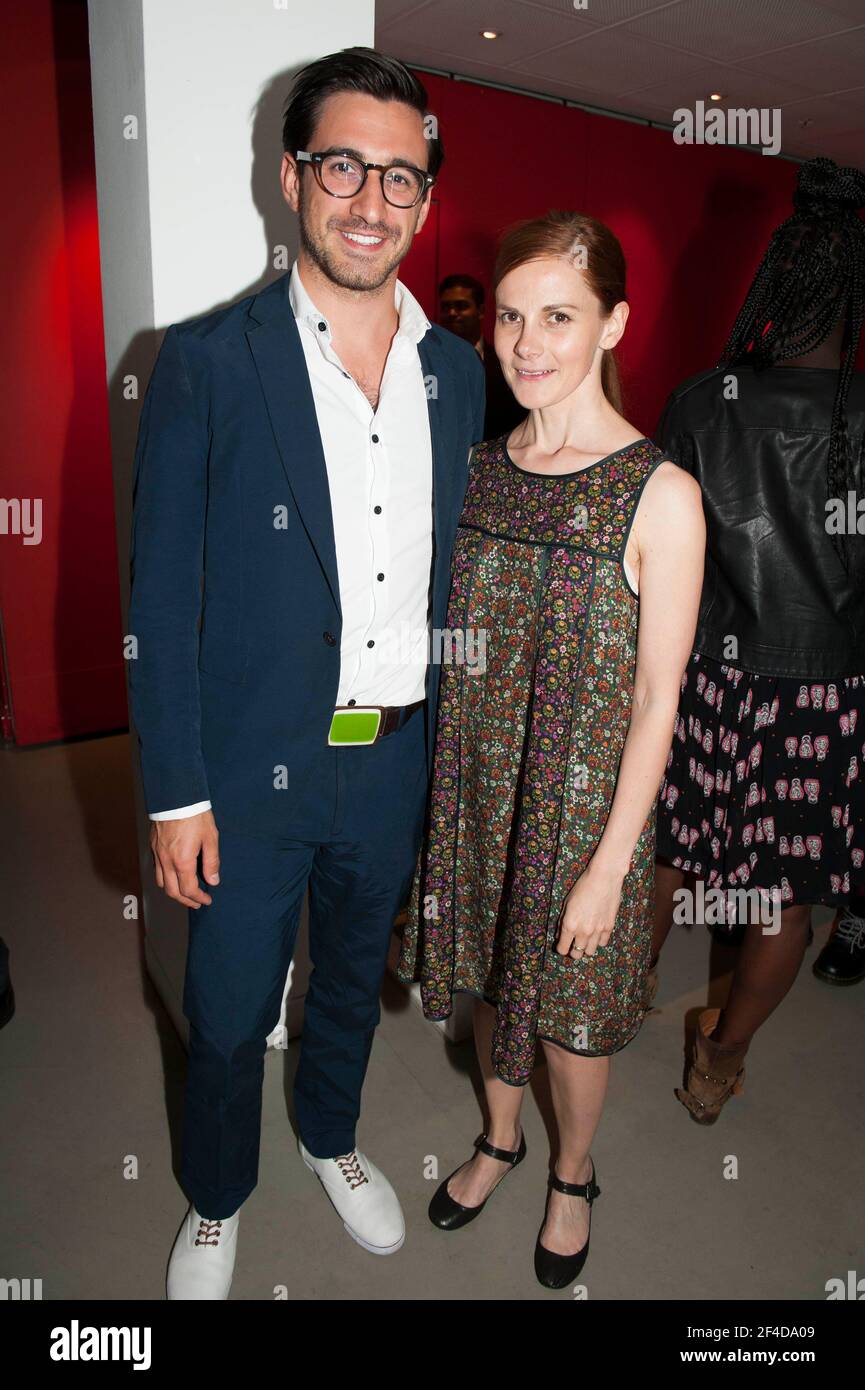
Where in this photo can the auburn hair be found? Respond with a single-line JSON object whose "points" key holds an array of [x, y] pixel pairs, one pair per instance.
{"points": [[578, 238]]}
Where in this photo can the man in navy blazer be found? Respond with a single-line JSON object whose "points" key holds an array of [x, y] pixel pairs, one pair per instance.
{"points": [[299, 475]]}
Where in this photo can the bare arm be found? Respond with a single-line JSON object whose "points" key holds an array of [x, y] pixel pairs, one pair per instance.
{"points": [[671, 538]]}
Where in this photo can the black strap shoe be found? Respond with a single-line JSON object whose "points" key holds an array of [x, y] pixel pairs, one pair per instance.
{"points": [[448, 1214], [557, 1271]]}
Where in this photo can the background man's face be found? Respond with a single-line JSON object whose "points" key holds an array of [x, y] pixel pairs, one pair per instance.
{"points": [[381, 132], [459, 312]]}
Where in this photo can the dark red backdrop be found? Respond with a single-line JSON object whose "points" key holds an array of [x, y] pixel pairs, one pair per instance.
{"points": [[692, 221], [60, 600]]}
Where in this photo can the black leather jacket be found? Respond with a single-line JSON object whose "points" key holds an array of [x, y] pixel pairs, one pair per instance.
{"points": [[772, 578]]}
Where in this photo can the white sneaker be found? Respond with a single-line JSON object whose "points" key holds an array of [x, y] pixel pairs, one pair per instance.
{"points": [[364, 1198], [202, 1258]]}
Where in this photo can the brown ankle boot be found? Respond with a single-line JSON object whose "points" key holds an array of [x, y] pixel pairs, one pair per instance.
{"points": [[715, 1074]]}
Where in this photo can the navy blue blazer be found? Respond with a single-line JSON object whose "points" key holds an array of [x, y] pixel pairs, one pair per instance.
{"points": [[233, 677]]}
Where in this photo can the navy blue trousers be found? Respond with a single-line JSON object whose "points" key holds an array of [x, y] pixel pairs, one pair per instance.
{"points": [[240, 948]]}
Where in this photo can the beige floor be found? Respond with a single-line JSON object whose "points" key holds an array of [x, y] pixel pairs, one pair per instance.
{"points": [[92, 1073]]}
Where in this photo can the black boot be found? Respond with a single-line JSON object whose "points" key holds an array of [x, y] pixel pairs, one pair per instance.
{"points": [[842, 960], [7, 994]]}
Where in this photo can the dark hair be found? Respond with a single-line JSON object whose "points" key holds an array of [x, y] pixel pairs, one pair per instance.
{"points": [[352, 70], [811, 277], [566, 234], [467, 282]]}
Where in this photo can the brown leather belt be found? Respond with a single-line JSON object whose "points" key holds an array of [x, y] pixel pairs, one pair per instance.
{"points": [[393, 717]]}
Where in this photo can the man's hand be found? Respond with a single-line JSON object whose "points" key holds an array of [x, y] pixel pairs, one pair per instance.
{"points": [[176, 845]]}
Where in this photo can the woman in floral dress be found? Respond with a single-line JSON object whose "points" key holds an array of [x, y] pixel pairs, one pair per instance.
{"points": [[576, 578]]}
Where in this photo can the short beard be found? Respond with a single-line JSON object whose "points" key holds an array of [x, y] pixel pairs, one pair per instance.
{"points": [[346, 277]]}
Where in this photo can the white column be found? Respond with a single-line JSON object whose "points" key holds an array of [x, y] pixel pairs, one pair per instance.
{"points": [[187, 115]]}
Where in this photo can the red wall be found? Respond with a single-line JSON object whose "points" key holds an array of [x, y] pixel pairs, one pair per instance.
{"points": [[693, 222], [59, 600]]}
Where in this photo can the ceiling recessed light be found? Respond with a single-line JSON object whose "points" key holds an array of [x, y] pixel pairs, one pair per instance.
{"points": [[490, 34], [715, 96]]}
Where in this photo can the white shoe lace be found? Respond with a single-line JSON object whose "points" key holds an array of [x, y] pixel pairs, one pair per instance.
{"points": [[852, 929]]}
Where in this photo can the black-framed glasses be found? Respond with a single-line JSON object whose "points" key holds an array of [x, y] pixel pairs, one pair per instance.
{"points": [[343, 175]]}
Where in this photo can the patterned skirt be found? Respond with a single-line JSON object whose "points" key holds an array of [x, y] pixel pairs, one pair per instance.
{"points": [[765, 783]]}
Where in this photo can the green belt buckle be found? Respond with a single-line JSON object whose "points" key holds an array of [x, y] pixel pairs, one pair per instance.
{"points": [[354, 726]]}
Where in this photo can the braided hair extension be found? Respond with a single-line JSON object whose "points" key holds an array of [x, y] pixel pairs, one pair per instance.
{"points": [[811, 276]]}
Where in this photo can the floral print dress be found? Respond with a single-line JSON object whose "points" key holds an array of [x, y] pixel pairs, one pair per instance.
{"points": [[527, 756]]}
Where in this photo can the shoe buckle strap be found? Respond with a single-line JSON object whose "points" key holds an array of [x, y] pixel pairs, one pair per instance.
{"points": [[589, 1190], [503, 1155], [719, 1080]]}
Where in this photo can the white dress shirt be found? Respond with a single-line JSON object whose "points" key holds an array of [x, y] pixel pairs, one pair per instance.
{"points": [[379, 471]]}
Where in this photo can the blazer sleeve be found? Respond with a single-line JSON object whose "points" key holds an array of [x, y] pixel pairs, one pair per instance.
{"points": [[166, 569]]}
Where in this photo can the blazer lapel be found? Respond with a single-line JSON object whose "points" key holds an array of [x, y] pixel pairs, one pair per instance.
{"points": [[278, 354], [441, 402]]}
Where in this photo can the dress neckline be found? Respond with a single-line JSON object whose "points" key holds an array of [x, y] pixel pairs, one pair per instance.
{"points": [[578, 472]]}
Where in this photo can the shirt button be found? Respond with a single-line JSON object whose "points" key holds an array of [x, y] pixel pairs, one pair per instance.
{"points": [[377, 510], [352, 702], [370, 643], [322, 327], [329, 639], [379, 577], [375, 439]]}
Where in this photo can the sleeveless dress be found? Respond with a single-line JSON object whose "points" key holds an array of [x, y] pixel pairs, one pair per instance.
{"points": [[530, 736]]}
